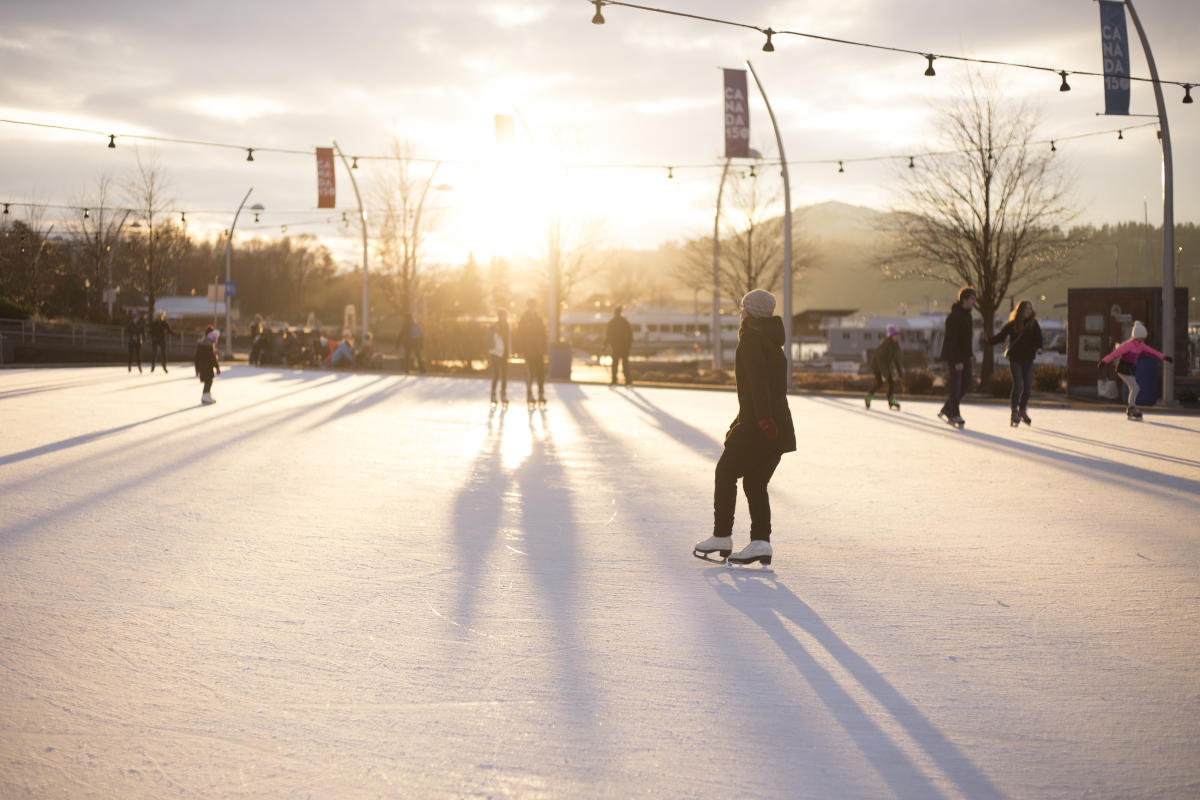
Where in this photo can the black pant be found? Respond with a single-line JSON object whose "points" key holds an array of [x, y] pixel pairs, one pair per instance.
{"points": [[623, 358], [1022, 386], [135, 354], [206, 376], [755, 466], [158, 347], [536, 370], [879, 378], [412, 357], [498, 366], [956, 387]]}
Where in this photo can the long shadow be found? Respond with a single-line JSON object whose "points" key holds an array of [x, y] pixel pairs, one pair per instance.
{"points": [[366, 399], [75, 441], [1133, 451], [79, 440], [1150, 481], [687, 435], [1154, 424], [768, 601], [39, 388]]}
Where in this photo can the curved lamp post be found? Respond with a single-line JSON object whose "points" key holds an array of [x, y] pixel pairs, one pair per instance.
{"points": [[228, 278]]}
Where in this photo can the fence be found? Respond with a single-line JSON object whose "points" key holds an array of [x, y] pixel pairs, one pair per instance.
{"points": [[67, 336]]}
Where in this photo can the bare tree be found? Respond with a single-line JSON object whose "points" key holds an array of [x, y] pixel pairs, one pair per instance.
{"points": [[570, 252], [99, 228], [26, 243], [988, 212], [404, 222], [147, 196]]}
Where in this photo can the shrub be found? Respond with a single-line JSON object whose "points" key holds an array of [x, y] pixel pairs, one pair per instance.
{"points": [[1048, 378], [11, 309], [918, 381], [1000, 384]]}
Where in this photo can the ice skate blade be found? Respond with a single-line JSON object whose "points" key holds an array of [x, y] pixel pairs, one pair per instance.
{"points": [[742, 562], [703, 555], [745, 565]]}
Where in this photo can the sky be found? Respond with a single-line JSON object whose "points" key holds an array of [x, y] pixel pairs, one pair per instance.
{"points": [[590, 102]]}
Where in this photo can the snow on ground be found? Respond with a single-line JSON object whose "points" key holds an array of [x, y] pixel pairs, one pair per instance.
{"points": [[355, 585]]}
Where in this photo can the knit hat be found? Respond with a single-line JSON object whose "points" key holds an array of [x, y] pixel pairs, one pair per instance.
{"points": [[759, 303], [892, 330], [1139, 330], [212, 335]]}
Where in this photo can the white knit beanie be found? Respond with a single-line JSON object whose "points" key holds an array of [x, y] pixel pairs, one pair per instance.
{"points": [[1139, 330], [759, 303]]}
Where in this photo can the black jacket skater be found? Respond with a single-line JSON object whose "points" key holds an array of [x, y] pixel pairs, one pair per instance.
{"points": [[619, 335], [887, 356], [205, 359], [761, 373], [1022, 346], [956, 346]]}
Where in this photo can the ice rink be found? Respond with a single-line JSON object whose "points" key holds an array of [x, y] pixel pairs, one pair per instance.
{"points": [[363, 585]]}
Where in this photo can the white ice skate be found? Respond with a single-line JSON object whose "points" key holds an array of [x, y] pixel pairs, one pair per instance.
{"points": [[758, 550], [722, 545], [207, 399]]}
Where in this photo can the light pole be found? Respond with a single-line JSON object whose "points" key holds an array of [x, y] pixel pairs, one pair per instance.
{"points": [[362, 218], [718, 343], [228, 273]]}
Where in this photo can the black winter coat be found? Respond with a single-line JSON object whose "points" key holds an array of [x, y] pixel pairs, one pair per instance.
{"points": [[619, 335], [956, 346], [531, 335], [761, 373], [1022, 346], [886, 356], [205, 358]]}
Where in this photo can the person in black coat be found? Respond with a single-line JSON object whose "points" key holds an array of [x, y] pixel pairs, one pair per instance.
{"points": [[160, 329], [1025, 342], [758, 437], [883, 360], [531, 342], [205, 360], [135, 332], [957, 353], [619, 336]]}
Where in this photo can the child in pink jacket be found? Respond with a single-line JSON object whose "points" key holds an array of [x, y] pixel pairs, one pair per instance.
{"points": [[1127, 354]]}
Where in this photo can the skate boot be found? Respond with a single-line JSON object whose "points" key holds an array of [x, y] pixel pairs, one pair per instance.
{"points": [[867, 400], [893, 405], [542, 401], [1133, 413], [958, 422], [207, 399], [493, 401], [1015, 421], [1025, 418], [758, 550], [722, 545]]}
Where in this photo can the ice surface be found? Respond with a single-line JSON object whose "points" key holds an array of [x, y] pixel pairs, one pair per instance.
{"points": [[343, 586]]}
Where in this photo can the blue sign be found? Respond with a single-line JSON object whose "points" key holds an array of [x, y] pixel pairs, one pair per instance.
{"points": [[1114, 44], [230, 289]]}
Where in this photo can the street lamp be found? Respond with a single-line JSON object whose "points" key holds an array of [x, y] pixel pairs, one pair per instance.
{"points": [[228, 276]]}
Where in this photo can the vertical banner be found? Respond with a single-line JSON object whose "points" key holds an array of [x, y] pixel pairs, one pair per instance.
{"points": [[1114, 45], [326, 182], [737, 115]]}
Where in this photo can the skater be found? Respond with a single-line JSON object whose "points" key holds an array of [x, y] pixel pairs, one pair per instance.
{"points": [[883, 359], [619, 336], [257, 340], [531, 339], [135, 331], [160, 329], [499, 345], [1025, 342], [1127, 354], [760, 434], [205, 359], [957, 352], [411, 339]]}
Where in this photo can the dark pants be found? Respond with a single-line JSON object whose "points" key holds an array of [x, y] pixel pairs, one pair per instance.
{"points": [[498, 367], [159, 347], [412, 356], [1022, 385], [879, 378], [135, 354], [535, 370], [206, 377], [754, 466], [623, 358], [956, 387]]}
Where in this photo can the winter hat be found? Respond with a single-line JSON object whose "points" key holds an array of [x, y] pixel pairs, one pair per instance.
{"points": [[1139, 330], [759, 303], [892, 330], [212, 335]]}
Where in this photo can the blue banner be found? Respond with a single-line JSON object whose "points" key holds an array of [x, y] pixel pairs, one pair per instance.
{"points": [[737, 115], [1115, 47]]}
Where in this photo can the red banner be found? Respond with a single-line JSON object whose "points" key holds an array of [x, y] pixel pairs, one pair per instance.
{"points": [[326, 182], [737, 115]]}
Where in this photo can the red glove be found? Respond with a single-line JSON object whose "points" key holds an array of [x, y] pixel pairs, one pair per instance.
{"points": [[769, 428]]}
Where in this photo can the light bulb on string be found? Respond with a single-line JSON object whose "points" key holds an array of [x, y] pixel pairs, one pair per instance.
{"points": [[840, 167], [283, 228], [86, 215], [256, 216], [929, 71], [911, 163], [1120, 134], [598, 18], [1053, 149], [768, 47], [183, 218], [112, 141], [249, 153], [1065, 87], [670, 173], [1187, 92], [354, 162]]}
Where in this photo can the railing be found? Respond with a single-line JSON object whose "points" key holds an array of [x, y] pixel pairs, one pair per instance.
{"points": [[74, 334]]}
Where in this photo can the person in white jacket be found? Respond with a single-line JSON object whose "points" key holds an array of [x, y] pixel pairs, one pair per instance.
{"points": [[499, 346]]}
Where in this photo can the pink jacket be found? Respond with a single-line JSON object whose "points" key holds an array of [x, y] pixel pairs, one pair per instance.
{"points": [[1130, 351]]}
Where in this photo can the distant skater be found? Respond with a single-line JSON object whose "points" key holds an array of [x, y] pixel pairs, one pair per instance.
{"points": [[1127, 354], [531, 340], [1025, 343], [885, 357], [160, 329], [619, 336], [205, 359], [758, 437], [957, 352], [499, 344], [135, 331]]}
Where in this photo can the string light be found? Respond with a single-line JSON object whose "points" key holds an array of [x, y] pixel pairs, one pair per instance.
{"points": [[840, 167], [354, 164], [256, 216], [283, 228], [768, 47], [183, 218], [6, 208], [1120, 134], [1053, 149], [598, 18], [112, 141], [249, 153], [1065, 87], [911, 163], [929, 71], [1187, 92], [752, 175], [670, 173], [86, 215]]}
